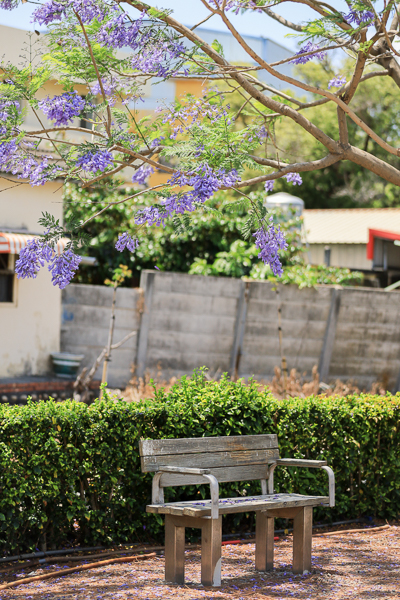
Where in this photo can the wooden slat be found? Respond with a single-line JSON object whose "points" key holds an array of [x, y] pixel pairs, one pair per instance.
{"points": [[185, 470], [207, 444], [236, 505], [208, 460], [301, 462], [242, 473]]}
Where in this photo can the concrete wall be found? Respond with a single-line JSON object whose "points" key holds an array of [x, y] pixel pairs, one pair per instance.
{"points": [[350, 333], [367, 341], [190, 321], [304, 315], [86, 311], [226, 324]]}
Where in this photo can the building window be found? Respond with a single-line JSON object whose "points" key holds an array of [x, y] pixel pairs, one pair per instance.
{"points": [[7, 278], [327, 256]]}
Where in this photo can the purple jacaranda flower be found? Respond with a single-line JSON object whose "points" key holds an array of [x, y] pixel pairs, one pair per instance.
{"points": [[31, 258], [62, 109], [41, 172], [49, 12], [37, 252], [204, 180], [8, 4], [158, 57], [179, 203], [142, 174], [95, 161], [14, 160], [119, 32], [88, 11], [7, 151], [125, 240], [109, 87], [269, 239], [337, 81], [151, 215], [359, 16], [269, 185], [236, 5], [8, 108], [63, 268], [309, 47], [294, 178], [194, 113]]}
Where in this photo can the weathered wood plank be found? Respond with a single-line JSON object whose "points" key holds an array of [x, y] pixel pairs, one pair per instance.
{"points": [[208, 460], [302, 541], [207, 444], [235, 505], [241, 473], [184, 470], [301, 462]]}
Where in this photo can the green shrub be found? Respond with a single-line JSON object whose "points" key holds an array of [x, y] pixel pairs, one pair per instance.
{"points": [[71, 472]]}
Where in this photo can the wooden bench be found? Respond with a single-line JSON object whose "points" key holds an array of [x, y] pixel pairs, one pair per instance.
{"points": [[212, 460]]}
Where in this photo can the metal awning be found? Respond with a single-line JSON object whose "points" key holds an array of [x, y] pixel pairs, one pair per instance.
{"points": [[12, 243]]}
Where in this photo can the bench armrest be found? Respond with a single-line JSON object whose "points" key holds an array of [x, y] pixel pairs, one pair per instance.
{"points": [[158, 492], [299, 462]]}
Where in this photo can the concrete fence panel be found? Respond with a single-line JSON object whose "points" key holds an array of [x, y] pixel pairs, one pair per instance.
{"points": [[86, 312], [182, 322]]}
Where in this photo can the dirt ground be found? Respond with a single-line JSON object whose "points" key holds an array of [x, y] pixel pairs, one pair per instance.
{"points": [[345, 567]]}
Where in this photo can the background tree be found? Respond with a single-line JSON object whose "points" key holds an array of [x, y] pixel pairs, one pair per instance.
{"points": [[197, 140]]}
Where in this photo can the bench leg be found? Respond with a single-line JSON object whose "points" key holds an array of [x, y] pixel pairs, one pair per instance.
{"points": [[174, 551], [264, 542], [211, 539], [302, 540]]}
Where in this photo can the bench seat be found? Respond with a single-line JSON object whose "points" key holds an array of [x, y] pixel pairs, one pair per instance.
{"points": [[227, 506]]}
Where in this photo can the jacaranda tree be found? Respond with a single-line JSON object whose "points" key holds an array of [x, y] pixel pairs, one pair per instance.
{"points": [[115, 47]]}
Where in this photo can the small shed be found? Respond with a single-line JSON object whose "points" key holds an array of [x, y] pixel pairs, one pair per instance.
{"points": [[357, 238]]}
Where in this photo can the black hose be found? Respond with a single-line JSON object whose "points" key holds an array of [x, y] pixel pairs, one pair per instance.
{"points": [[230, 536], [61, 552]]}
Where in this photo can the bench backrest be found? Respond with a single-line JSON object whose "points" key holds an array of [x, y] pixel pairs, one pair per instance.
{"points": [[229, 458]]}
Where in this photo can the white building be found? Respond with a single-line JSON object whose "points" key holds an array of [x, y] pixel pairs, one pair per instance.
{"points": [[30, 309]]}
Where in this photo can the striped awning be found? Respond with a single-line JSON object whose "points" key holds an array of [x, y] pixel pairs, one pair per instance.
{"points": [[12, 243]]}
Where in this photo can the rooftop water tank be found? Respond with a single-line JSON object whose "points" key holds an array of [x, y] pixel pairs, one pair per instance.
{"points": [[285, 201]]}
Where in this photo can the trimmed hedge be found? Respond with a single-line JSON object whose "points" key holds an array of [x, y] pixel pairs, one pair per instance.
{"points": [[71, 472]]}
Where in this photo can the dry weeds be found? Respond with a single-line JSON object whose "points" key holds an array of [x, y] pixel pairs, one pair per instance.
{"points": [[294, 385]]}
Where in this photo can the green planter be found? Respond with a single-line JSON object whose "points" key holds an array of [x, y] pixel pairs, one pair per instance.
{"points": [[66, 364]]}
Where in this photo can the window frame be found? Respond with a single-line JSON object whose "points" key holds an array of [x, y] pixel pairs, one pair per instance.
{"points": [[10, 270]]}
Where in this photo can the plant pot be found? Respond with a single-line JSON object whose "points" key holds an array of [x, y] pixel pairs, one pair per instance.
{"points": [[65, 364]]}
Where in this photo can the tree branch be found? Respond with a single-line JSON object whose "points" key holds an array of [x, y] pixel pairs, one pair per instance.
{"points": [[273, 105], [282, 20], [313, 165]]}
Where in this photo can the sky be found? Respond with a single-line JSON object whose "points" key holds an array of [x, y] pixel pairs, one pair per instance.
{"points": [[191, 12]]}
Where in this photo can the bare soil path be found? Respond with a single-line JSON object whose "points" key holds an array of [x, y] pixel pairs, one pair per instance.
{"points": [[357, 566]]}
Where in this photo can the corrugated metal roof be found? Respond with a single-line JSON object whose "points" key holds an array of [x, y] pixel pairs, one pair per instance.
{"points": [[348, 225], [12, 243]]}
